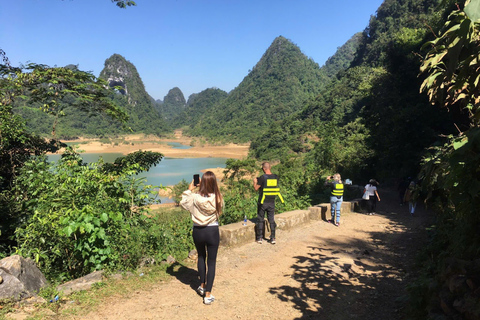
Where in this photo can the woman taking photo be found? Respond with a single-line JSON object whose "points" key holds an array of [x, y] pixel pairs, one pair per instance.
{"points": [[205, 208]]}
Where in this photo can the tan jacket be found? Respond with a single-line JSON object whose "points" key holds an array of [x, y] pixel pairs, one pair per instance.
{"points": [[202, 209]]}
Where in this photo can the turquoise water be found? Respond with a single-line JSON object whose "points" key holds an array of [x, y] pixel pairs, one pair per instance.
{"points": [[178, 145], [168, 172]]}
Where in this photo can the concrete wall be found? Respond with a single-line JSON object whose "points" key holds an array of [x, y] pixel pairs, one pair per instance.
{"points": [[235, 234]]}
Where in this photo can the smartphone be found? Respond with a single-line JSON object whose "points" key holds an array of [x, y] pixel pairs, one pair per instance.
{"points": [[196, 179]]}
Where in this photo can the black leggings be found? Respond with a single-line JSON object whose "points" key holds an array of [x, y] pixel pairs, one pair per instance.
{"points": [[206, 241], [372, 204]]}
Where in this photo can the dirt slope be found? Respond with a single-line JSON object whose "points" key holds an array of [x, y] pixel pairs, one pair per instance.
{"points": [[318, 271]]}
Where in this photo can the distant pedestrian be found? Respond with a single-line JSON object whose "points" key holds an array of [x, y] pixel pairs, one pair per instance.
{"points": [[371, 190], [410, 197], [336, 197], [205, 209]]}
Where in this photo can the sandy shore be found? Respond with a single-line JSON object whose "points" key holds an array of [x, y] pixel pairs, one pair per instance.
{"points": [[133, 143]]}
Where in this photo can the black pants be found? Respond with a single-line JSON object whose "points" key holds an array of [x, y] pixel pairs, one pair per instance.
{"points": [[206, 241], [372, 204], [268, 208]]}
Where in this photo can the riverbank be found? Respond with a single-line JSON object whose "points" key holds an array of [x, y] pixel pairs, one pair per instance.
{"points": [[132, 143]]}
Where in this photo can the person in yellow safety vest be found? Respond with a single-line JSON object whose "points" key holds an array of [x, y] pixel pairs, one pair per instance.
{"points": [[336, 197], [268, 188]]}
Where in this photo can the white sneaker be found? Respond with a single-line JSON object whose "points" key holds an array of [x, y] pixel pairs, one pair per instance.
{"points": [[208, 300], [201, 291]]}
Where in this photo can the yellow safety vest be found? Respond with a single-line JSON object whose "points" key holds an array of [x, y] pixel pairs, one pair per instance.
{"points": [[271, 188], [337, 189]]}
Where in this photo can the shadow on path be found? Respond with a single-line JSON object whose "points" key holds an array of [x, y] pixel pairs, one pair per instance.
{"points": [[184, 274], [351, 278]]}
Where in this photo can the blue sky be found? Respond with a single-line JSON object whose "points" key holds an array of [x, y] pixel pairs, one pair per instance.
{"points": [[190, 44]]}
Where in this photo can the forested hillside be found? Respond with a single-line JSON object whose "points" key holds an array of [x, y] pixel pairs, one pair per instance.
{"points": [[144, 116], [278, 85], [406, 106], [371, 120], [173, 104], [199, 105], [130, 96]]}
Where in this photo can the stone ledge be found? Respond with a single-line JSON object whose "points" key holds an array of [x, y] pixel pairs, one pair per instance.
{"points": [[235, 234]]}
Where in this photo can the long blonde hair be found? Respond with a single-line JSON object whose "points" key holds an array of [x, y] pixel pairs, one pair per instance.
{"points": [[208, 185]]}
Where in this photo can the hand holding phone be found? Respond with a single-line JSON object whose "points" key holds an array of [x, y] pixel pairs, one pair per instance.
{"points": [[196, 179]]}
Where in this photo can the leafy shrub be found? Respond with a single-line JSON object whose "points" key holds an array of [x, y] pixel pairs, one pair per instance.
{"points": [[75, 218], [178, 190], [156, 237]]}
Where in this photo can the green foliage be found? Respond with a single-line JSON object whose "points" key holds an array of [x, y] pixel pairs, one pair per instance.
{"points": [[450, 172], [392, 16], [144, 116], [49, 292], [343, 57], [173, 104], [48, 87], [68, 119], [16, 145], [124, 3], [143, 159], [294, 178], [370, 120], [178, 189], [161, 235], [277, 86], [239, 196], [198, 105], [75, 218], [452, 65]]}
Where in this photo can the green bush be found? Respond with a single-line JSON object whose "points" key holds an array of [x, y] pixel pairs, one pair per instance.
{"points": [[75, 218], [178, 190], [156, 238]]}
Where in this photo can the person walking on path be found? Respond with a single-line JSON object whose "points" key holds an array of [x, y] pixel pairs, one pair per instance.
{"points": [[336, 197], [205, 208], [410, 197], [268, 188], [371, 189]]}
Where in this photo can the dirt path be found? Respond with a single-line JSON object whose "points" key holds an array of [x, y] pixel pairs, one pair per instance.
{"points": [[318, 271]]}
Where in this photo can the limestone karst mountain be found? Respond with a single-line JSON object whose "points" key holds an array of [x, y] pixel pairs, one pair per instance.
{"points": [[173, 103], [279, 84], [144, 115]]}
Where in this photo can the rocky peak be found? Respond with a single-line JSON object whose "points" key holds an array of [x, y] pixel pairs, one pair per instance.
{"points": [[120, 72]]}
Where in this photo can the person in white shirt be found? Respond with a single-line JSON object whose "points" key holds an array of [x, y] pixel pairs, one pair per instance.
{"points": [[371, 189]]}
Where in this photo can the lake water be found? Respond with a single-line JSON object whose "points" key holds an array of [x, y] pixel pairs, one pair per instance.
{"points": [[168, 172]]}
